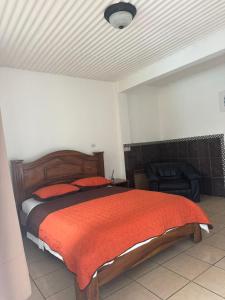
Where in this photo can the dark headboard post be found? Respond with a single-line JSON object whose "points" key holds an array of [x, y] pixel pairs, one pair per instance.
{"points": [[17, 179], [101, 169]]}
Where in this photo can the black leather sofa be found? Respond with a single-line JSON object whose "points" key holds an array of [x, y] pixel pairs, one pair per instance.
{"points": [[174, 178]]}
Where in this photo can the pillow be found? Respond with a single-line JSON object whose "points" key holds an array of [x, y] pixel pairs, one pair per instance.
{"points": [[54, 191], [89, 182]]}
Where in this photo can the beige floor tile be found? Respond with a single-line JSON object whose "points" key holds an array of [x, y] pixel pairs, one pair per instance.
{"points": [[206, 253], [214, 205], [185, 244], [215, 208], [222, 231], [142, 269], [216, 240], [133, 291], [162, 282], [47, 265], [221, 263], [114, 285], [208, 212], [216, 229], [187, 266], [193, 291], [218, 219], [55, 282], [36, 295], [67, 294], [214, 280], [33, 253]]}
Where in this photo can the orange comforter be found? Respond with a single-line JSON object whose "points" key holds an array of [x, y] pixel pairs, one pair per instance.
{"points": [[89, 234]]}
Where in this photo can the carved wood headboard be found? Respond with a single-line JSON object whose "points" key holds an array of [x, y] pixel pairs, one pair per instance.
{"points": [[56, 167]]}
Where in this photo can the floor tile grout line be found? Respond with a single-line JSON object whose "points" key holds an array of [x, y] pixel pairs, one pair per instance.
{"points": [[59, 291], [204, 260], [219, 267], [171, 294], [182, 251], [47, 274], [216, 247], [178, 290], [192, 281], [170, 271], [219, 261], [132, 280], [149, 290], [159, 265], [202, 286], [152, 268], [34, 280], [38, 289], [184, 276], [55, 292]]}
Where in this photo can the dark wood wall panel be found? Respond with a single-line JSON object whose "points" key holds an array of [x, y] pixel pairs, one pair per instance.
{"points": [[205, 153]]}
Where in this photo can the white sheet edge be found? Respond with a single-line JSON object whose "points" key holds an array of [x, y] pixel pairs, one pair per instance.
{"points": [[29, 204]]}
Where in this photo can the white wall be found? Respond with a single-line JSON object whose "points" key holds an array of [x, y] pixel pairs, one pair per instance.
{"points": [[43, 113], [183, 105], [123, 107], [190, 106], [143, 114]]}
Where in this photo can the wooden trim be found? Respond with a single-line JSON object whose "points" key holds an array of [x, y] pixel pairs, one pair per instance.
{"points": [[134, 258], [197, 235], [56, 167], [18, 181]]}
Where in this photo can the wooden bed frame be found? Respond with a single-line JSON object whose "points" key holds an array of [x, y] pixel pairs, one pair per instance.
{"points": [[65, 166]]}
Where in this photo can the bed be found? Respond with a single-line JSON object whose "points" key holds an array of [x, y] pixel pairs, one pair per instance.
{"points": [[63, 167]]}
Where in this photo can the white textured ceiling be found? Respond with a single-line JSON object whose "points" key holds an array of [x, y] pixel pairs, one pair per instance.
{"points": [[71, 37]]}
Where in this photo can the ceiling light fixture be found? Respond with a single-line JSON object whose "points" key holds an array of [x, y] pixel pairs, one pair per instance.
{"points": [[120, 15]]}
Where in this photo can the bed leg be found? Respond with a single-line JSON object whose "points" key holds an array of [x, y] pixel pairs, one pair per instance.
{"points": [[197, 235], [90, 293]]}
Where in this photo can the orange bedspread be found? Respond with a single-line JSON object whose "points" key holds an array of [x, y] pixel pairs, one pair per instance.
{"points": [[92, 233]]}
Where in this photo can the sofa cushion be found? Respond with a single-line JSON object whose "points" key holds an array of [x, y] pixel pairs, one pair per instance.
{"points": [[168, 171], [173, 184]]}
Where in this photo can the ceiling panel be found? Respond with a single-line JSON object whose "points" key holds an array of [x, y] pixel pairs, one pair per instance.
{"points": [[71, 37]]}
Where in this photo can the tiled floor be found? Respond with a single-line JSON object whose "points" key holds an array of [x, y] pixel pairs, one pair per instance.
{"points": [[187, 271]]}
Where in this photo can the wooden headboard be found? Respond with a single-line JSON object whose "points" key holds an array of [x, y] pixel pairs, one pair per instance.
{"points": [[56, 167]]}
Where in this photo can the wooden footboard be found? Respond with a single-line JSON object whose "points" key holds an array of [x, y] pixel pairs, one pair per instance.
{"points": [[134, 258]]}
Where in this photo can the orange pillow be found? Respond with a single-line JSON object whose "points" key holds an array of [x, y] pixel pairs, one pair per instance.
{"points": [[54, 191], [91, 182]]}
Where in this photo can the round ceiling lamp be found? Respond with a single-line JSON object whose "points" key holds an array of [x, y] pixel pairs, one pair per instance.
{"points": [[120, 14]]}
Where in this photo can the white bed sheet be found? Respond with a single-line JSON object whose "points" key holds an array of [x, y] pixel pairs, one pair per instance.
{"points": [[29, 204]]}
